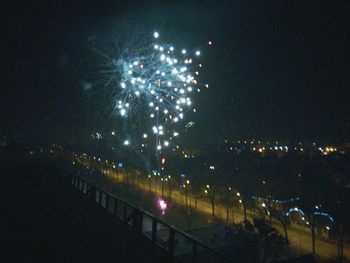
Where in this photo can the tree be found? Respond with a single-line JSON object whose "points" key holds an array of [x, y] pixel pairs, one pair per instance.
{"points": [[312, 191], [282, 216], [168, 179], [338, 206], [197, 181], [226, 200], [210, 192], [246, 182]]}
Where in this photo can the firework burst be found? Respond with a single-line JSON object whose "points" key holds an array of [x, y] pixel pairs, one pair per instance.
{"points": [[156, 82]]}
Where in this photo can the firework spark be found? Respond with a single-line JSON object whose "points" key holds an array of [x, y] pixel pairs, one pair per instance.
{"points": [[158, 82]]}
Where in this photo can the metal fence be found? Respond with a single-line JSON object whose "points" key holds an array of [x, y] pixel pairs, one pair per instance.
{"points": [[161, 237]]}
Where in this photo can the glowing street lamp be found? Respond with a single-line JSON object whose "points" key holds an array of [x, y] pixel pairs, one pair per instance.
{"points": [[186, 191], [149, 182], [162, 180], [169, 186]]}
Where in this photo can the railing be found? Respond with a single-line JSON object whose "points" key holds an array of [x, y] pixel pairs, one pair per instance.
{"points": [[162, 237]]}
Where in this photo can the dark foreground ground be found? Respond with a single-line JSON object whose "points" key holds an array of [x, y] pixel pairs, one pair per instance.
{"points": [[44, 219]]}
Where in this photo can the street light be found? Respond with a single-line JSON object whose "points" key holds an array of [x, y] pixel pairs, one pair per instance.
{"points": [[169, 186], [211, 196], [149, 182], [162, 186], [113, 171], [186, 191]]}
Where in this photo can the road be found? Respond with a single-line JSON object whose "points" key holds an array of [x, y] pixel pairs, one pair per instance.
{"points": [[300, 241]]}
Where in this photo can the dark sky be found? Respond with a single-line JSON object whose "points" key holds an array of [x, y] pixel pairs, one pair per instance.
{"points": [[277, 69]]}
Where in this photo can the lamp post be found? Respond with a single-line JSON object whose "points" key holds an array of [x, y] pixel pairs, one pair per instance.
{"points": [[162, 180], [227, 203], [149, 182], [120, 165], [211, 194], [106, 168], [169, 186], [187, 186], [113, 172]]}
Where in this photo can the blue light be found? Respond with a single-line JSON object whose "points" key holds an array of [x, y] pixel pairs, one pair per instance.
{"points": [[295, 209], [324, 214]]}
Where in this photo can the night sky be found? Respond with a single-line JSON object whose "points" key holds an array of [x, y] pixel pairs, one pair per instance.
{"points": [[277, 69]]}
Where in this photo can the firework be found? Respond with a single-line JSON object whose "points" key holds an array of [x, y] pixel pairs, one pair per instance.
{"points": [[158, 82]]}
